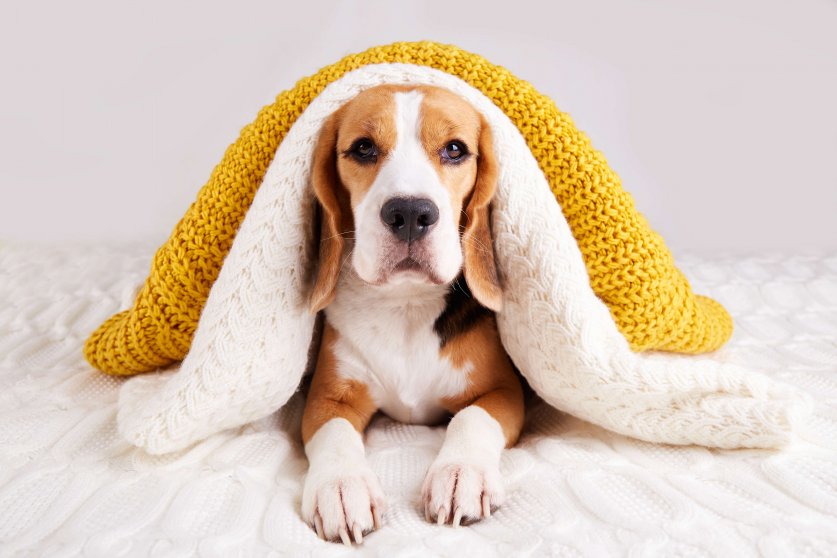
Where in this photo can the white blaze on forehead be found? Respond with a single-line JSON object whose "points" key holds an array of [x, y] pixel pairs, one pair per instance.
{"points": [[406, 171], [408, 149]]}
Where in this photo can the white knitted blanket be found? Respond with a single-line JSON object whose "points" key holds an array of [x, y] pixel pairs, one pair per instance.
{"points": [[251, 345], [70, 485]]}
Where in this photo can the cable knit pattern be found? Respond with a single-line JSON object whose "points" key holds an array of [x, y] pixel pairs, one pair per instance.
{"points": [[71, 486], [251, 344], [629, 266]]}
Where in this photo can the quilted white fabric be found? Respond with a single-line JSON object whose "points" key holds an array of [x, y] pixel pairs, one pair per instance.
{"points": [[70, 485], [251, 344]]}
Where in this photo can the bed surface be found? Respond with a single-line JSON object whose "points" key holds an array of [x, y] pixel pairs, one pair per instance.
{"points": [[70, 486]]}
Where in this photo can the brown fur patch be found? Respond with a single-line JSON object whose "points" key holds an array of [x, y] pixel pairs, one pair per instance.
{"points": [[492, 383], [444, 118], [477, 246], [331, 396], [370, 115], [335, 219]]}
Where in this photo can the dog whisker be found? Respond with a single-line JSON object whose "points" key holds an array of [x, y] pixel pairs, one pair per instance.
{"points": [[339, 234], [473, 242], [456, 286]]}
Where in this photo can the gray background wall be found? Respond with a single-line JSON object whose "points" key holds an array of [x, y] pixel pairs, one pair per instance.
{"points": [[720, 116]]}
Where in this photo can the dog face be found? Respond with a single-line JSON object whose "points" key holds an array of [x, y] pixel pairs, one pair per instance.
{"points": [[405, 176]]}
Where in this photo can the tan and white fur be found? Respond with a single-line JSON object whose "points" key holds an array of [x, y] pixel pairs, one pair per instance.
{"points": [[409, 323]]}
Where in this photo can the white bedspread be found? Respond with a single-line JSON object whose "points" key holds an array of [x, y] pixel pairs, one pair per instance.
{"points": [[70, 486]]}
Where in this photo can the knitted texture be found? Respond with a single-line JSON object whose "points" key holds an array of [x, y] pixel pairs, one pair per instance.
{"points": [[71, 486], [252, 340], [629, 266]]}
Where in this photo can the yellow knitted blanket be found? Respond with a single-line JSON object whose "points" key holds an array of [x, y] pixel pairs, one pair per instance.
{"points": [[630, 268]]}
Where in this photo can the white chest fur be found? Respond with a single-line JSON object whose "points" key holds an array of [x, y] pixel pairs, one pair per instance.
{"points": [[386, 340]]}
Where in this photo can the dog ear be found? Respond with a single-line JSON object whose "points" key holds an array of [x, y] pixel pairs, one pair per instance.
{"points": [[331, 197], [477, 246]]}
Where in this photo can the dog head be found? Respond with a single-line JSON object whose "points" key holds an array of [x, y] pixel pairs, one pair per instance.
{"points": [[404, 177]]}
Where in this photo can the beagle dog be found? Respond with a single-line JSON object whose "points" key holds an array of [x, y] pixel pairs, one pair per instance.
{"points": [[406, 278]]}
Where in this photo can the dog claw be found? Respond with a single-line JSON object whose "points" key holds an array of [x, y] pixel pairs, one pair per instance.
{"points": [[462, 493], [344, 536], [376, 516], [358, 533], [442, 517], [318, 525]]}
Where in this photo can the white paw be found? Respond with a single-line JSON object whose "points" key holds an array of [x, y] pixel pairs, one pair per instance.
{"points": [[343, 503], [459, 493]]}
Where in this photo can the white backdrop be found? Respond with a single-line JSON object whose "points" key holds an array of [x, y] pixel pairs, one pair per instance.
{"points": [[720, 116]]}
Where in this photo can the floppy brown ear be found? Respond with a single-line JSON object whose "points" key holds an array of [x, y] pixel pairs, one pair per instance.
{"points": [[331, 197], [477, 246]]}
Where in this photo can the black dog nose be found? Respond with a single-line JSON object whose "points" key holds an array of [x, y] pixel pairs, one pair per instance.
{"points": [[409, 218]]}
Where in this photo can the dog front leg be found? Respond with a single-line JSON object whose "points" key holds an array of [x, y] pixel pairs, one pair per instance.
{"points": [[464, 482], [342, 498]]}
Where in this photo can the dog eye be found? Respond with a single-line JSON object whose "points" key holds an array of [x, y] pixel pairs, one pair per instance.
{"points": [[364, 150], [454, 152]]}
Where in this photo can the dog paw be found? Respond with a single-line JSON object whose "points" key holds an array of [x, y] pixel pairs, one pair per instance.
{"points": [[459, 493], [344, 505]]}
